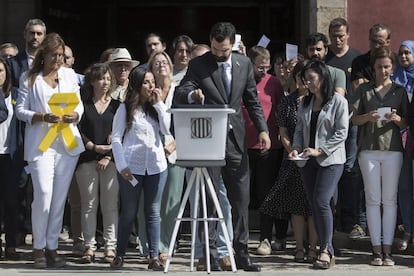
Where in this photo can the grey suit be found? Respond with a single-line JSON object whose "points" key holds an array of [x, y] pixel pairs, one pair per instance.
{"points": [[203, 73]]}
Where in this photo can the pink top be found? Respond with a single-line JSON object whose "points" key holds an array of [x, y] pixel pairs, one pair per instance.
{"points": [[269, 92]]}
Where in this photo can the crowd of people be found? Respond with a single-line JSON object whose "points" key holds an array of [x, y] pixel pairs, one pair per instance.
{"points": [[324, 143]]}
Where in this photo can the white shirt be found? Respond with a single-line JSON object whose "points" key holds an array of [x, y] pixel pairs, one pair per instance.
{"points": [[5, 127], [140, 148]]}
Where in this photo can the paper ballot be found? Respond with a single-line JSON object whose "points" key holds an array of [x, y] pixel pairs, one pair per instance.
{"points": [[264, 41], [291, 51], [236, 45]]}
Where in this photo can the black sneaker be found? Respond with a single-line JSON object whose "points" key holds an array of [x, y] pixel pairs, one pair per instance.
{"points": [[118, 262]]}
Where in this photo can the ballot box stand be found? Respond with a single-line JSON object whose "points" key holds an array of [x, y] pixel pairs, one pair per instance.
{"points": [[200, 133]]}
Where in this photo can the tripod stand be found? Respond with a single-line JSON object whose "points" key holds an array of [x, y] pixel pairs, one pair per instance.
{"points": [[198, 179]]}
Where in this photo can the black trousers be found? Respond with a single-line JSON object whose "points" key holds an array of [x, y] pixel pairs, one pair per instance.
{"points": [[264, 169], [236, 178], [8, 199]]}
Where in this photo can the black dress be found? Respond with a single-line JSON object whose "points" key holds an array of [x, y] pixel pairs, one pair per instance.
{"points": [[287, 195]]}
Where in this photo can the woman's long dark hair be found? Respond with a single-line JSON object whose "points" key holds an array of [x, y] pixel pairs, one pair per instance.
{"points": [[327, 86], [7, 86], [96, 72], [132, 98]]}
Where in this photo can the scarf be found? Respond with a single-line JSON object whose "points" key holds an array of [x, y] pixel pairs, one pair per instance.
{"points": [[405, 75]]}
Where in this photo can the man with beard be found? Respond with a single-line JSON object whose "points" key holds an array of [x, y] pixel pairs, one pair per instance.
{"points": [[34, 33], [220, 77], [317, 48]]}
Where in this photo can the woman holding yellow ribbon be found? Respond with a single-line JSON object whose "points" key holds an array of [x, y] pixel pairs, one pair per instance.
{"points": [[49, 103]]}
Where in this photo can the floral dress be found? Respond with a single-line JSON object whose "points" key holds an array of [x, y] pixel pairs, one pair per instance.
{"points": [[287, 195]]}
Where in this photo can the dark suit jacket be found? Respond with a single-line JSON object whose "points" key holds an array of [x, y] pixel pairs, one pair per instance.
{"points": [[203, 73], [4, 112], [16, 139], [18, 65]]}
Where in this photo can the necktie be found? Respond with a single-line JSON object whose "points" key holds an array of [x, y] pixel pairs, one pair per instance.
{"points": [[225, 78]]}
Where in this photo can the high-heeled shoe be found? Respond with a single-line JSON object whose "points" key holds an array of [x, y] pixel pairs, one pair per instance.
{"points": [[403, 244], [323, 263]]}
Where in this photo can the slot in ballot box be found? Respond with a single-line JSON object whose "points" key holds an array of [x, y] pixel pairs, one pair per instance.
{"points": [[200, 132]]}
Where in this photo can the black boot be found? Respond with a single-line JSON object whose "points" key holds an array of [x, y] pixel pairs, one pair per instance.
{"points": [[243, 261]]}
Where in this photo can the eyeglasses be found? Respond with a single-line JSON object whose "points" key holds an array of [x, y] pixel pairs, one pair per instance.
{"points": [[262, 68], [162, 62]]}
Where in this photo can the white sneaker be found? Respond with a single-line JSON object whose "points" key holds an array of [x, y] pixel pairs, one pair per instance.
{"points": [[264, 248]]}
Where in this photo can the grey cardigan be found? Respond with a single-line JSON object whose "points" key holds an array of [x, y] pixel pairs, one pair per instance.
{"points": [[331, 131]]}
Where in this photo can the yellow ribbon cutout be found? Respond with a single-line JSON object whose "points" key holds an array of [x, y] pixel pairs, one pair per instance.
{"points": [[60, 104]]}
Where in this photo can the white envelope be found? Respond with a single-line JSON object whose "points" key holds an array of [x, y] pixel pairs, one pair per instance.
{"points": [[382, 111], [134, 181], [299, 157]]}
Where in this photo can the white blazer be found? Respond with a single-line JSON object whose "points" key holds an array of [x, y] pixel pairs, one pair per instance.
{"points": [[35, 99]]}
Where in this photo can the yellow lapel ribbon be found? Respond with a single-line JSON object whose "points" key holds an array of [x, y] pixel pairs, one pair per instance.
{"points": [[60, 104]]}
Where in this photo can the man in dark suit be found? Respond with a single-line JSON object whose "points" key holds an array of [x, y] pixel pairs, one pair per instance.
{"points": [[34, 33], [221, 77]]}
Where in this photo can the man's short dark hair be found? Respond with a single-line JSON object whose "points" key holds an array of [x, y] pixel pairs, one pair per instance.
{"points": [[379, 27], [314, 38], [154, 35], [222, 30], [337, 23]]}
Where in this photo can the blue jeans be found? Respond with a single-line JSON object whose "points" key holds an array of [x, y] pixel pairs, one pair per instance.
{"points": [[142, 233], [226, 209], [320, 184], [405, 195], [130, 197]]}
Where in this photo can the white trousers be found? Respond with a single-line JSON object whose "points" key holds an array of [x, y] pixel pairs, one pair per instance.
{"points": [[98, 187], [380, 172], [51, 176]]}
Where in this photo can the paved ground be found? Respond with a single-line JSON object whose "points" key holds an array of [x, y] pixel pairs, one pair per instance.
{"points": [[353, 260]]}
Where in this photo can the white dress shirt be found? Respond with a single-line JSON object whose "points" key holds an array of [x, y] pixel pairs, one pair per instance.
{"points": [[140, 148]]}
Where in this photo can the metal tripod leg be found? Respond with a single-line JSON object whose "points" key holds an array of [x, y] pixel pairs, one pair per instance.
{"points": [[199, 177], [221, 218]]}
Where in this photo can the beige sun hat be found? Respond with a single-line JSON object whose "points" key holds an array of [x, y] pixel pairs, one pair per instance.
{"points": [[122, 54]]}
